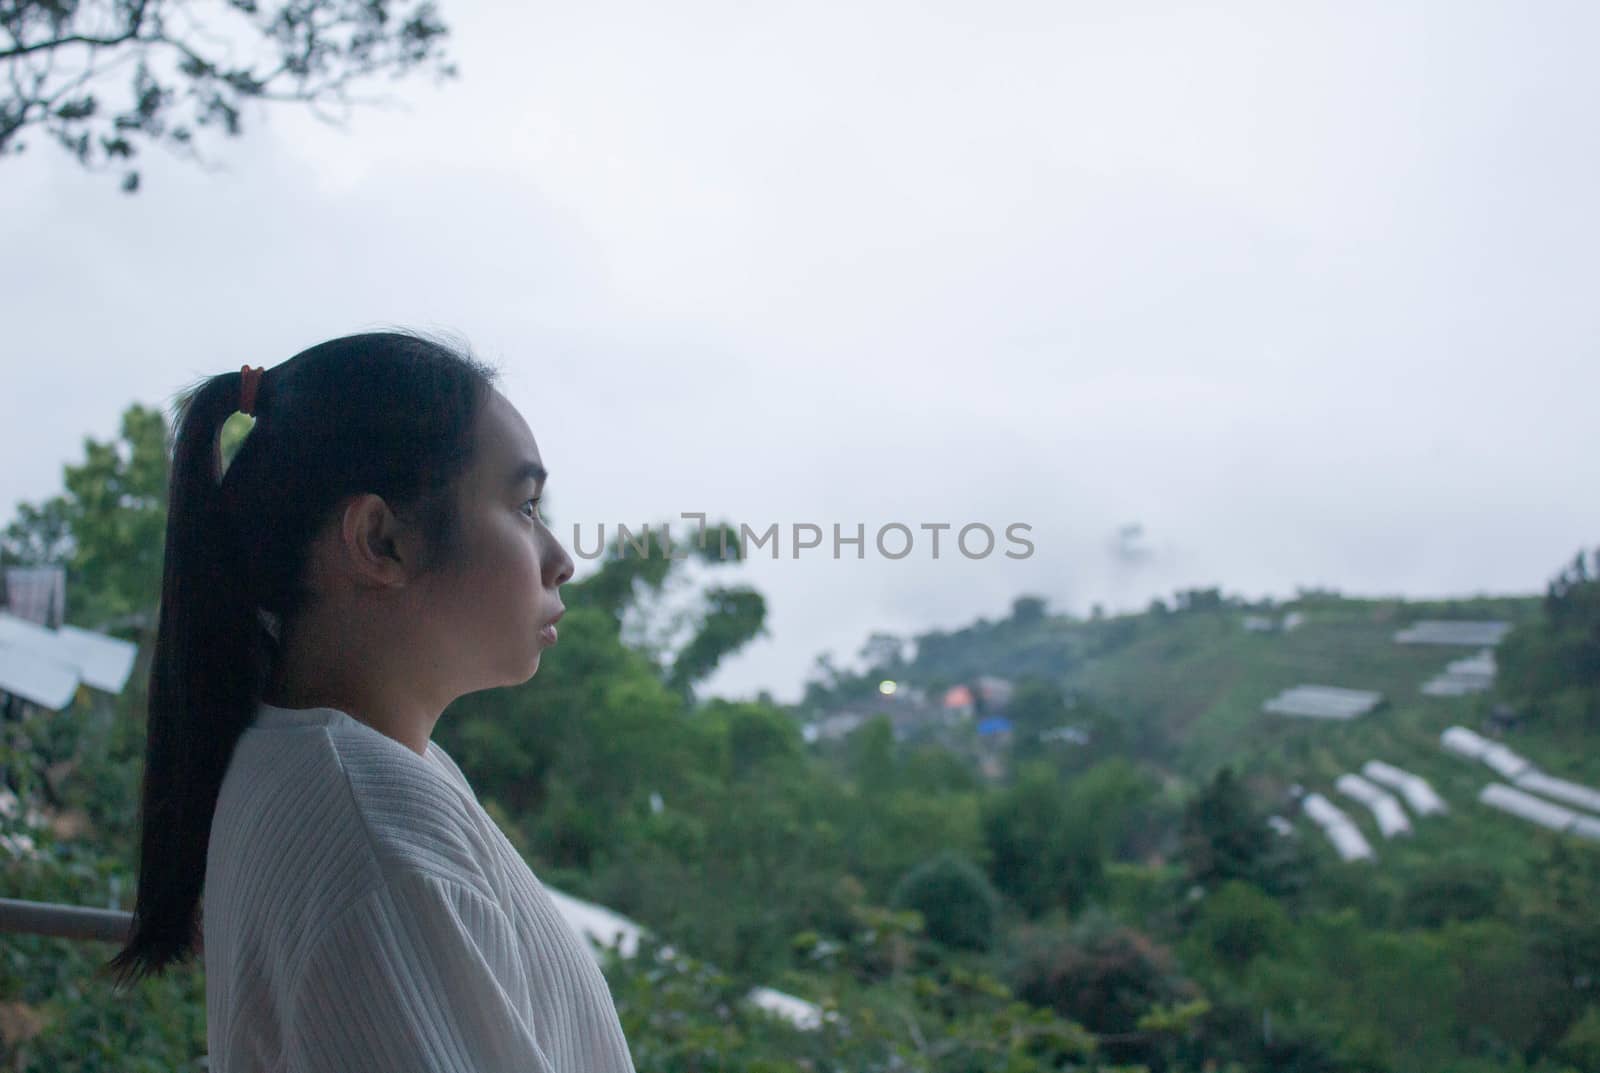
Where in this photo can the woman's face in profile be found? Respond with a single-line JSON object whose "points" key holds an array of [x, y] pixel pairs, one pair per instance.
{"points": [[490, 609]]}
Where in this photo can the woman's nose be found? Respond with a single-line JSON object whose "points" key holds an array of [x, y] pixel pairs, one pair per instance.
{"points": [[563, 566]]}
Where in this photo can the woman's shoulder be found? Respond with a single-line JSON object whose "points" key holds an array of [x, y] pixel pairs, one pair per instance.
{"points": [[417, 810]]}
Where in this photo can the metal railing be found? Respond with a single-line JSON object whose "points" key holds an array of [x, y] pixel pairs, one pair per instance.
{"points": [[64, 921]]}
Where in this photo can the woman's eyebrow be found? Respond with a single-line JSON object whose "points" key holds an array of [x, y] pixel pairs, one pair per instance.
{"points": [[529, 470]]}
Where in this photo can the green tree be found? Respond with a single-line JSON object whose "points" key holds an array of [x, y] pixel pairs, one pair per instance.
{"points": [[1454, 888], [1552, 666], [1238, 923], [883, 654], [733, 617], [1048, 840], [958, 906], [108, 528], [1107, 977], [1028, 610], [1226, 837]]}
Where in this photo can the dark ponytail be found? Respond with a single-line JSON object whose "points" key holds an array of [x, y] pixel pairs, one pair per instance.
{"points": [[390, 413]]}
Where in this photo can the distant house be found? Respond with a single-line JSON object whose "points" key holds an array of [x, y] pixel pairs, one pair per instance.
{"points": [[1071, 735], [995, 692], [37, 594], [908, 709], [986, 694], [831, 727], [958, 701]]}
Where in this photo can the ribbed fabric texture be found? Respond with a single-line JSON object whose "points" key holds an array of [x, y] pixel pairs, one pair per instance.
{"points": [[362, 913]]}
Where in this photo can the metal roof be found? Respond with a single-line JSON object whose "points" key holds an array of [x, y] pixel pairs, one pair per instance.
{"points": [[46, 666]]}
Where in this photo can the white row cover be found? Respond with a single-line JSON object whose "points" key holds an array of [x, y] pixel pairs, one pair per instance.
{"points": [[1471, 675], [1571, 792], [1475, 746], [1537, 810], [1347, 839], [1385, 809], [1459, 632], [1323, 702], [1454, 685], [1417, 791], [1519, 770], [1482, 664]]}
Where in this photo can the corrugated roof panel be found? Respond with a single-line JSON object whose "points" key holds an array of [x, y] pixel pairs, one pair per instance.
{"points": [[100, 661], [104, 662], [36, 679]]}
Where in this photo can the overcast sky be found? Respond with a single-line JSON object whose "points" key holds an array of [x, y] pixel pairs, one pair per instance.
{"points": [[1307, 291]]}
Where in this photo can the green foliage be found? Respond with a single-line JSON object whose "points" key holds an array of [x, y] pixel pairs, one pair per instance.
{"points": [[1226, 837], [1040, 857], [85, 1025], [735, 616], [1114, 980], [1027, 610], [1238, 923], [1455, 888], [1036, 705], [108, 528], [1552, 666], [871, 756], [883, 1007], [1150, 915], [958, 906], [761, 741], [1581, 1044], [1048, 840]]}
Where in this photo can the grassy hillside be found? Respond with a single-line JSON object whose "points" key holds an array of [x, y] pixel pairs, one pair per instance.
{"points": [[1189, 686]]}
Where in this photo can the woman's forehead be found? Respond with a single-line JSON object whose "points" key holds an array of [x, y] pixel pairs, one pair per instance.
{"points": [[505, 440]]}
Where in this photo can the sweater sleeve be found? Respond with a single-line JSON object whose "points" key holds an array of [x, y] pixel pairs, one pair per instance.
{"points": [[419, 976]]}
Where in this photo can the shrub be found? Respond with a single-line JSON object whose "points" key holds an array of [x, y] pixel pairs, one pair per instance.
{"points": [[957, 904]]}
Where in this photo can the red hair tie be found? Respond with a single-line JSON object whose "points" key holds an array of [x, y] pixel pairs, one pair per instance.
{"points": [[249, 382]]}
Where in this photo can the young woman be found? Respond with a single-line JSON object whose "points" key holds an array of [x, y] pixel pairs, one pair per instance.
{"points": [[372, 552]]}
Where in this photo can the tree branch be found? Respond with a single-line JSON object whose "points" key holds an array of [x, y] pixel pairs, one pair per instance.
{"points": [[323, 48], [62, 42]]}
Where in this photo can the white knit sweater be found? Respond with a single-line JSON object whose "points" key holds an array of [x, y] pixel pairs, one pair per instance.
{"points": [[362, 913]]}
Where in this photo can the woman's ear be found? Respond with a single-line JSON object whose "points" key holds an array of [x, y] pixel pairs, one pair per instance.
{"points": [[376, 549]]}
